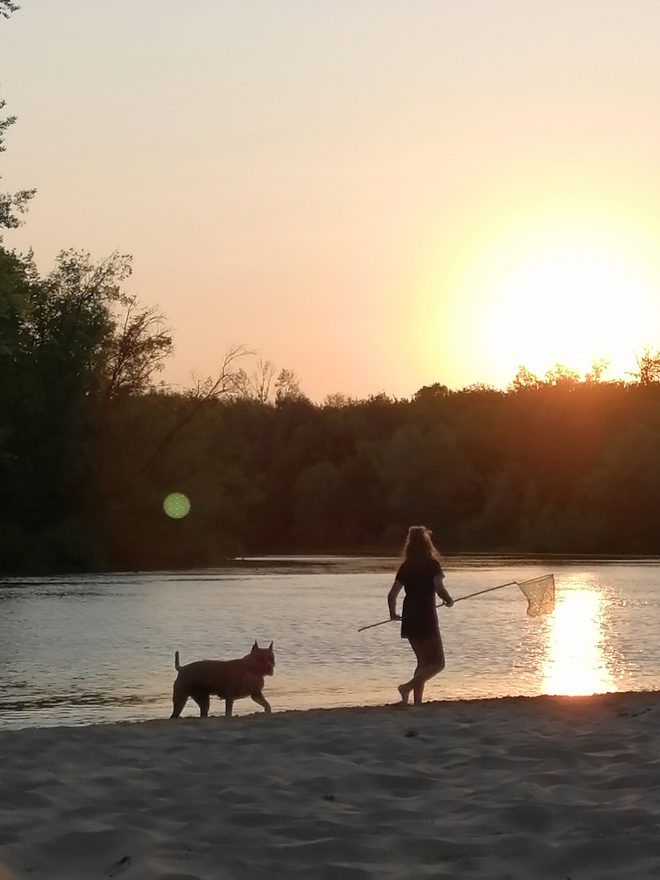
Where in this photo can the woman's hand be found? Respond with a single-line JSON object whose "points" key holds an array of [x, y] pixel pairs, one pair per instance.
{"points": [[397, 586], [449, 602]]}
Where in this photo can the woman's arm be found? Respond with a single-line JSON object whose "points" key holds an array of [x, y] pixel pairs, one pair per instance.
{"points": [[397, 586], [439, 587]]}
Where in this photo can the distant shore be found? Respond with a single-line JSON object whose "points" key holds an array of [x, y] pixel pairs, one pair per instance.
{"points": [[519, 787], [368, 561]]}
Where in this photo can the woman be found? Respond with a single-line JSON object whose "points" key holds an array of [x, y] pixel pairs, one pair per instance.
{"points": [[421, 576]]}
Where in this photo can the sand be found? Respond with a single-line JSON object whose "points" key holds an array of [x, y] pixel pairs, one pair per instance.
{"points": [[534, 788]]}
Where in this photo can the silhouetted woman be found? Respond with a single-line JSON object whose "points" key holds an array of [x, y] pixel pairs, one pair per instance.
{"points": [[421, 576]]}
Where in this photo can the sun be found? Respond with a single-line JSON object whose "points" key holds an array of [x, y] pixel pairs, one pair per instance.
{"points": [[569, 301], [563, 294], [520, 282]]}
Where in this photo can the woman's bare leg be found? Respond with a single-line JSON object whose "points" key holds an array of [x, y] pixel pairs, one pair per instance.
{"points": [[436, 658], [418, 693], [419, 680], [403, 689], [418, 689], [430, 661]]}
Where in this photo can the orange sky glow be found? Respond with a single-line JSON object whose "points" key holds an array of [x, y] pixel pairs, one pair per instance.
{"points": [[377, 195]]}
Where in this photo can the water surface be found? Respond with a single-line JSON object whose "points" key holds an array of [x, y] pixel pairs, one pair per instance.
{"points": [[101, 648]]}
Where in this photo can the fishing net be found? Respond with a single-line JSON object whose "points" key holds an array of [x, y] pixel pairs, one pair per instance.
{"points": [[540, 594]]}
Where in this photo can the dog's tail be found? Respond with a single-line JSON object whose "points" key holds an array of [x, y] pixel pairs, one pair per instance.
{"points": [[177, 665]]}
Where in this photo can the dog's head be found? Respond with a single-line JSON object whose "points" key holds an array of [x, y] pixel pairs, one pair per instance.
{"points": [[263, 659]]}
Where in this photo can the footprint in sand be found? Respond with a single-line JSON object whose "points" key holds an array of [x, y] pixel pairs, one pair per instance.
{"points": [[120, 866]]}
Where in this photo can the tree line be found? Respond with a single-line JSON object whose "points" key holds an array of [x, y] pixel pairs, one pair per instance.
{"points": [[91, 444]]}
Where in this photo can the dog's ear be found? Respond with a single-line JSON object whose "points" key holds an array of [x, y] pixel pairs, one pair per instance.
{"points": [[270, 647], [255, 647]]}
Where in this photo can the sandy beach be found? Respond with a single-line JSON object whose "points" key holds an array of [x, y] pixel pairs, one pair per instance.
{"points": [[545, 787]]}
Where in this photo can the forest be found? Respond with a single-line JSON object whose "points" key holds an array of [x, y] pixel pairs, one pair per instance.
{"points": [[91, 444]]}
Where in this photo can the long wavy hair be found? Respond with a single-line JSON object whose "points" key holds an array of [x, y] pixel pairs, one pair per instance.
{"points": [[419, 544]]}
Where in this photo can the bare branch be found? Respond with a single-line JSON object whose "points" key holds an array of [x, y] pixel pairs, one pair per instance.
{"points": [[204, 391]]}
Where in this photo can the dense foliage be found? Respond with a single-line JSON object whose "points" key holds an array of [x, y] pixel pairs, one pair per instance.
{"points": [[559, 468]]}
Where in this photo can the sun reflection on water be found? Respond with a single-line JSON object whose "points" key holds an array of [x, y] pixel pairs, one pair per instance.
{"points": [[575, 662]]}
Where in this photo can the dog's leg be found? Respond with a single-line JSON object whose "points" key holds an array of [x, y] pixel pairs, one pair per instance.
{"points": [[179, 700], [229, 705], [203, 701], [261, 701]]}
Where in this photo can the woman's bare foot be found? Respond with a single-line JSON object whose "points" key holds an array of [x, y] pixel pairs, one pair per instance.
{"points": [[405, 693]]}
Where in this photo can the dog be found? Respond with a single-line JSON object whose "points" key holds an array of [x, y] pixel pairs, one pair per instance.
{"points": [[228, 679]]}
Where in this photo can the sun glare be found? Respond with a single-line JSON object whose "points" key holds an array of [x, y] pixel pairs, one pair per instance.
{"points": [[572, 302], [540, 288], [575, 662]]}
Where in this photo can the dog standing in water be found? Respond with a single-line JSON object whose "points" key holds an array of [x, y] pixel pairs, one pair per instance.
{"points": [[228, 679]]}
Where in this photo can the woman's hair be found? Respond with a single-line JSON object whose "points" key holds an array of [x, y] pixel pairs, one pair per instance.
{"points": [[419, 544]]}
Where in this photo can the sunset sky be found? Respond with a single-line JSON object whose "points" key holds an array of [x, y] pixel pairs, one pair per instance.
{"points": [[377, 194]]}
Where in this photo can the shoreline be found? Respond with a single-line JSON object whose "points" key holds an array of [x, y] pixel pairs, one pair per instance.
{"points": [[326, 560], [543, 787], [541, 701]]}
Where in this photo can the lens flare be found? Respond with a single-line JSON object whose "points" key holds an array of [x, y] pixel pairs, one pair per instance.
{"points": [[176, 505]]}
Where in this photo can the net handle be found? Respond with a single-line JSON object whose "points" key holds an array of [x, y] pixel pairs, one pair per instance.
{"points": [[440, 604], [480, 592]]}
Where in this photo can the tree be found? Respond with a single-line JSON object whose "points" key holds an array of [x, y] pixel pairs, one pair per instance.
{"points": [[256, 385], [225, 384], [597, 371], [84, 330], [287, 388], [137, 349], [525, 380], [66, 354], [12, 205], [431, 393], [648, 368], [15, 284], [319, 499], [337, 400], [403, 472], [562, 377]]}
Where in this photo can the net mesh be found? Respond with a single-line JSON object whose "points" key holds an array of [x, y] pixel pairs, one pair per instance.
{"points": [[540, 595]]}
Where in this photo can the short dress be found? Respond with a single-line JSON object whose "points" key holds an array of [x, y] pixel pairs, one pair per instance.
{"points": [[419, 619]]}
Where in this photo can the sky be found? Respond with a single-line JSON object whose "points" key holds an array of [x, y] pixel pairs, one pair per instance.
{"points": [[376, 194]]}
